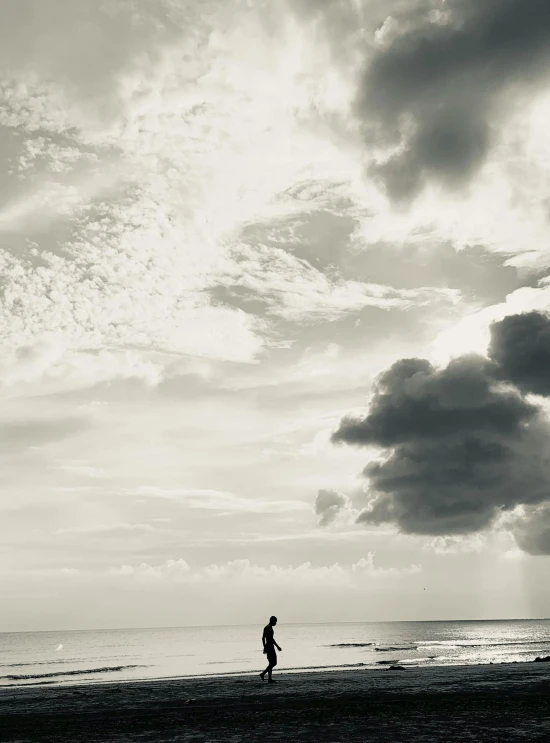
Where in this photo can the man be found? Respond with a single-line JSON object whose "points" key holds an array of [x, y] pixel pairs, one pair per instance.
{"points": [[269, 644]]}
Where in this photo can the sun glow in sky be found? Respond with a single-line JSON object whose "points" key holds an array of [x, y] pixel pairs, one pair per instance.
{"points": [[220, 222]]}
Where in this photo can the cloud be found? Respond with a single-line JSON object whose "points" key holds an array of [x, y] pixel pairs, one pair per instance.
{"points": [[432, 94], [520, 345], [473, 333], [216, 500], [135, 175], [456, 545], [308, 536], [50, 365], [86, 47], [461, 443], [416, 401], [531, 529], [245, 572], [329, 504], [295, 290], [136, 207]]}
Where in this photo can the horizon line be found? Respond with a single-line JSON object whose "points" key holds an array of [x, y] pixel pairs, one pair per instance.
{"points": [[257, 624]]}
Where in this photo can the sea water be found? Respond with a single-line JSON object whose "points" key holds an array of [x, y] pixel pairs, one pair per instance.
{"points": [[32, 658]]}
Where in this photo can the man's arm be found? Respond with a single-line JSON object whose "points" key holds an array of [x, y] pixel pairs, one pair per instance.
{"points": [[263, 639], [275, 643]]}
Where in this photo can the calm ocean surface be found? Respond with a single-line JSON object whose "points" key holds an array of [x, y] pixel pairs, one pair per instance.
{"points": [[109, 655]]}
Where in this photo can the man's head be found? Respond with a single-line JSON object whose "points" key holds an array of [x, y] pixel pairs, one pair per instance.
{"points": [[273, 621]]}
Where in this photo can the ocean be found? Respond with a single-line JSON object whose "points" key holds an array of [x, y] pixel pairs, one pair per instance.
{"points": [[89, 656]]}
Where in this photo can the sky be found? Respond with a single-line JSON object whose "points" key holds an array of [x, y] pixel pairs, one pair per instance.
{"points": [[274, 316]]}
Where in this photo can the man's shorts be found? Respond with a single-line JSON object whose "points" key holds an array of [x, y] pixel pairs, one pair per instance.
{"points": [[271, 656]]}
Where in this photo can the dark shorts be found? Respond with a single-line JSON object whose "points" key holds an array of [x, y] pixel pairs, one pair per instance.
{"points": [[271, 656]]}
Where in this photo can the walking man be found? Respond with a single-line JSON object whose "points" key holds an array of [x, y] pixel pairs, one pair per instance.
{"points": [[268, 641]]}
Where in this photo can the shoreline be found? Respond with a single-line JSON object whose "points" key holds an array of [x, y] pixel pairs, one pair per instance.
{"points": [[81, 678], [350, 705]]}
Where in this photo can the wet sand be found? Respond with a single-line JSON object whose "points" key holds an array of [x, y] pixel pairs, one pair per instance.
{"points": [[477, 703]]}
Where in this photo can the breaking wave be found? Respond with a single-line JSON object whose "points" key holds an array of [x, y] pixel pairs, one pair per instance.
{"points": [[391, 648], [351, 645]]}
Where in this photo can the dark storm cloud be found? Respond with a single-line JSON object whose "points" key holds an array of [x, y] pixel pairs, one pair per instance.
{"points": [[414, 401], [532, 533], [328, 505], [520, 345], [462, 443], [455, 486], [442, 82]]}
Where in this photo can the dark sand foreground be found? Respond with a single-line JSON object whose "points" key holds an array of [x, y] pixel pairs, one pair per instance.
{"points": [[481, 703]]}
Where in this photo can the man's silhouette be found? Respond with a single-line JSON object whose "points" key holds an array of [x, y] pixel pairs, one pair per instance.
{"points": [[269, 644]]}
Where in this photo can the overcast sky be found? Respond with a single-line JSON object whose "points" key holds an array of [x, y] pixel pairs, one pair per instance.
{"points": [[273, 322]]}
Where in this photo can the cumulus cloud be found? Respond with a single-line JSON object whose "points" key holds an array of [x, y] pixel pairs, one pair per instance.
{"points": [[462, 444], [456, 545], [329, 504], [416, 401], [243, 571], [435, 89]]}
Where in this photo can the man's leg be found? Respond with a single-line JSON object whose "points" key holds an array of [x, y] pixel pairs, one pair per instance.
{"points": [[272, 664]]}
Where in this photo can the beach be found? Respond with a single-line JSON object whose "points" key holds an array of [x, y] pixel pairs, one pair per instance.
{"points": [[461, 703]]}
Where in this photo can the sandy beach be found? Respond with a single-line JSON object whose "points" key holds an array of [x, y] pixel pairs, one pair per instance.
{"points": [[476, 703]]}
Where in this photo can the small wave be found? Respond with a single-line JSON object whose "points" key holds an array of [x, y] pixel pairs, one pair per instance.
{"points": [[502, 644], [393, 648], [63, 662], [106, 669], [351, 645]]}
